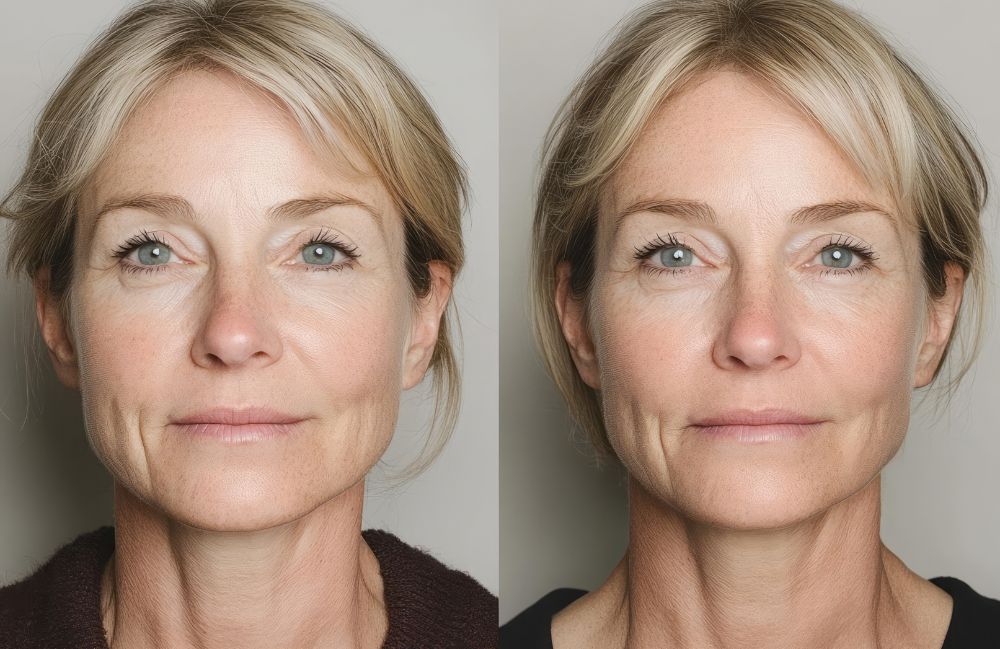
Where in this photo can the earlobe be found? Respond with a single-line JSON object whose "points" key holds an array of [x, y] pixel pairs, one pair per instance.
{"points": [[55, 332], [572, 318], [941, 315], [427, 324]]}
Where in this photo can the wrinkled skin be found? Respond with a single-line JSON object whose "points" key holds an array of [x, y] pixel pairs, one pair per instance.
{"points": [[737, 544], [236, 316], [757, 319], [222, 543]]}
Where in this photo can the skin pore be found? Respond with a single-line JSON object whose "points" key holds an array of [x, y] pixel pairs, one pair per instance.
{"points": [[306, 309], [715, 289]]}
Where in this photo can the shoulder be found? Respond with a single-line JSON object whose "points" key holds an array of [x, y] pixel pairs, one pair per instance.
{"points": [[975, 618], [60, 601], [532, 627], [428, 603]]}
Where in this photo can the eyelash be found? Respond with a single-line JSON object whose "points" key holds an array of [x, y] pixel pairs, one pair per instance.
{"points": [[327, 238], [863, 251], [323, 237], [659, 242]]}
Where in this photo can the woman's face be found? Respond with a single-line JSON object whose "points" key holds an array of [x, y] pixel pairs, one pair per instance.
{"points": [[304, 309], [744, 263]]}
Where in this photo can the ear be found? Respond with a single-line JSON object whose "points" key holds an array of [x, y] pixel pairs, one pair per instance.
{"points": [[55, 331], [940, 319], [573, 320], [426, 324]]}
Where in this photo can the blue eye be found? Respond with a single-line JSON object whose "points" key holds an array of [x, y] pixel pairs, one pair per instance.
{"points": [[155, 253], [837, 257], [321, 253], [675, 256], [326, 252], [666, 253], [845, 255]]}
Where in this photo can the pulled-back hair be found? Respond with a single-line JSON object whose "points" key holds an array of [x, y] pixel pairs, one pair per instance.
{"points": [[329, 76], [831, 64]]}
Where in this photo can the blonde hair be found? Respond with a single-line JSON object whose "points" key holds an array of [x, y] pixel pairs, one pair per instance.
{"points": [[324, 71], [826, 60]]}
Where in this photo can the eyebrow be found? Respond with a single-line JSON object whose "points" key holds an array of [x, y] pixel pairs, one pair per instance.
{"points": [[699, 212], [172, 206]]}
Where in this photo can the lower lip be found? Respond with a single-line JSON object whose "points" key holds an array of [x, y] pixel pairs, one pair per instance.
{"points": [[238, 434], [757, 434]]}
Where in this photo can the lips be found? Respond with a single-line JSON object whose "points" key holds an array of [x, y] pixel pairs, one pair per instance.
{"points": [[238, 416], [765, 417], [238, 425], [757, 426]]}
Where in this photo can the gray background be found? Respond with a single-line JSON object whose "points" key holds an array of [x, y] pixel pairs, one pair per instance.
{"points": [[562, 521], [51, 485]]}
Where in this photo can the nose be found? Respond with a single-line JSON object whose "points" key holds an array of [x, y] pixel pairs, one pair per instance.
{"points": [[758, 329], [238, 328]]}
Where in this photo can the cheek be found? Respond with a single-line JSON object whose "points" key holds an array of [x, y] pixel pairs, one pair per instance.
{"points": [[655, 351], [352, 344], [337, 344], [865, 360], [123, 371], [650, 343], [648, 348], [864, 342]]}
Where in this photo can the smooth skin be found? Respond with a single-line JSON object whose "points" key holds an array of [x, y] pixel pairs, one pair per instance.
{"points": [[222, 544], [736, 544]]}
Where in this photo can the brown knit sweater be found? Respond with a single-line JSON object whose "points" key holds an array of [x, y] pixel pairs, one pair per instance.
{"points": [[428, 604]]}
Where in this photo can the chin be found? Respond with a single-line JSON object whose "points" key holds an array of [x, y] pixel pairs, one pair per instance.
{"points": [[239, 508], [747, 512], [747, 498], [211, 485], [241, 498]]}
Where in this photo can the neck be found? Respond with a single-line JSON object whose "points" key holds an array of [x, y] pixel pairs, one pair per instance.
{"points": [[309, 583], [826, 583]]}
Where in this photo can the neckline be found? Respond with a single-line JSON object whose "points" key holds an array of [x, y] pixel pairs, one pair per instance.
{"points": [[401, 566], [956, 589]]}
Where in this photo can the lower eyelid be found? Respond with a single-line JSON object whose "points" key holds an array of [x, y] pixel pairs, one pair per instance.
{"points": [[865, 266], [659, 270], [344, 265], [130, 267]]}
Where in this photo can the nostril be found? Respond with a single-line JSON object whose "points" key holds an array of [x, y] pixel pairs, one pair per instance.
{"points": [[756, 340]]}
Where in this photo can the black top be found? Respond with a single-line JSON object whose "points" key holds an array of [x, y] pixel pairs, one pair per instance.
{"points": [[427, 603], [975, 619]]}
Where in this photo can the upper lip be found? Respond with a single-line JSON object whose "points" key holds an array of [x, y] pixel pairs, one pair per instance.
{"points": [[746, 417], [238, 416]]}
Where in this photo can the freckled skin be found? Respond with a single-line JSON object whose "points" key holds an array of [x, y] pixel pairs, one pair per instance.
{"points": [[259, 544], [754, 325], [733, 544], [234, 317]]}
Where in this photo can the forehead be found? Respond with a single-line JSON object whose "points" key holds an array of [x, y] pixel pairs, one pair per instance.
{"points": [[213, 137], [731, 141]]}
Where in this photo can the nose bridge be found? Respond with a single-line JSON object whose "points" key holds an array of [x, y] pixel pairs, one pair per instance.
{"points": [[238, 323], [756, 288], [758, 328], [232, 283]]}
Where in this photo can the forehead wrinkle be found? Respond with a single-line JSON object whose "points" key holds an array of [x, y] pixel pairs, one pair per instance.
{"points": [[826, 211], [696, 211], [179, 209], [701, 212]]}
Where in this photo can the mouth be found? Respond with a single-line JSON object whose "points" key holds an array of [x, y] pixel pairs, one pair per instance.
{"points": [[756, 426], [238, 425]]}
